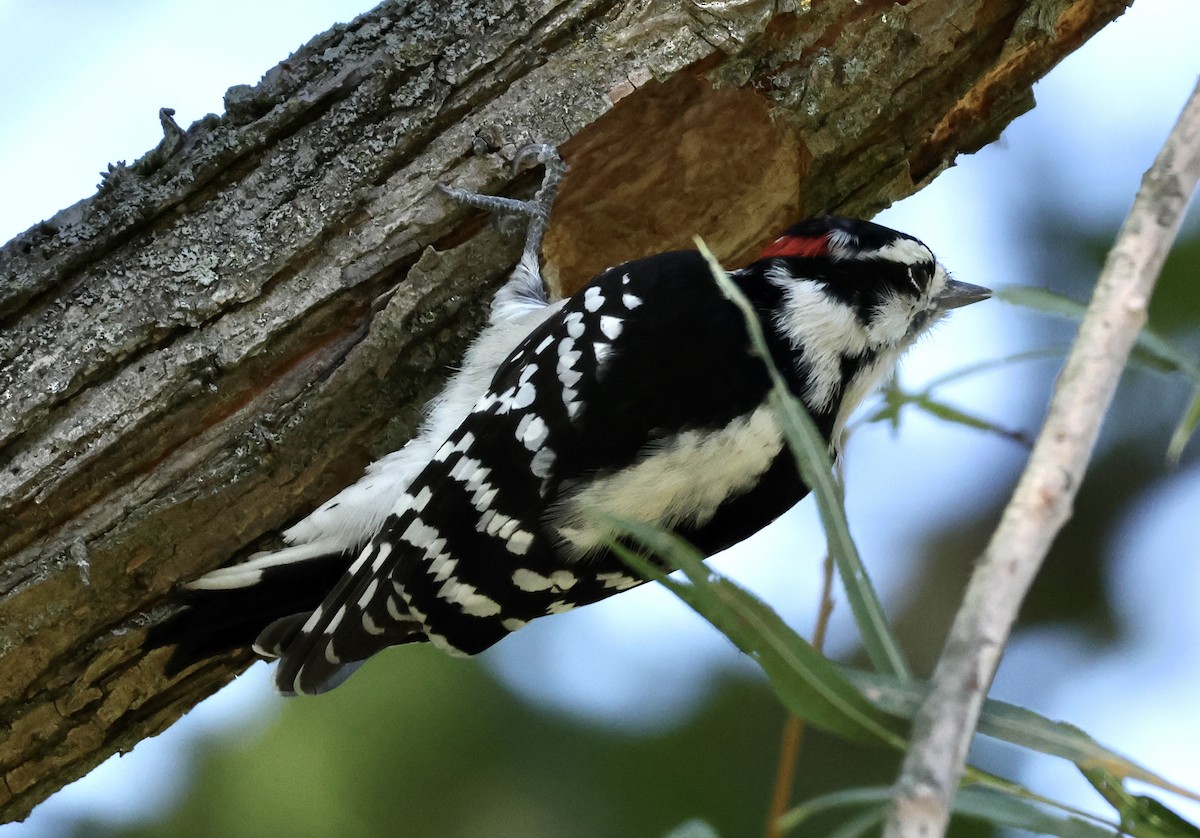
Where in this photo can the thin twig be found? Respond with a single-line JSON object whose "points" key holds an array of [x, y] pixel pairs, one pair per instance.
{"points": [[793, 729], [1042, 500]]}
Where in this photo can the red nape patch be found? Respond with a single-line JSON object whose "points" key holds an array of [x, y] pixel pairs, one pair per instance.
{"points": [[797, 246]]}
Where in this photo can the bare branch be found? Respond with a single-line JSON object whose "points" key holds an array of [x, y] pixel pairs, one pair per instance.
{"points": [[1042, 501]]}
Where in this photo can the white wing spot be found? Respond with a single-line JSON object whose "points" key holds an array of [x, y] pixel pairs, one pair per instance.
{"points": [[485, 520], [567, 359], [369, 623], [520, 542], [567, 353], [542, 462], [531, 581], [393, 609], [368, 594], [617, 581], [631, 301], [527, 580], [481, 606], [443, 567], [362, 559], [495, 522], [385, 550], [422, 498], [419, 534], [464, 468], [478, 478], [506, 531], [524, 397], [559, 607], [575, 327], [534, 433], [483, 498], [513, 624], [469, 599], [541, 347], [498, 522], [611, 326], [593, 298]]}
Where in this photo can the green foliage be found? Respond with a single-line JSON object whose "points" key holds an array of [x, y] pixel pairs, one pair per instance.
{"points": [[988, 805], [804, 679], [819, 694], [848, 703], [812, 458], [423, 746], [1152, 350], [420, 745], [1141, 816]]}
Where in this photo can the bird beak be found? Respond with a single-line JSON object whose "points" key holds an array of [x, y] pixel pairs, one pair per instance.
{"points": [[958, 294]]}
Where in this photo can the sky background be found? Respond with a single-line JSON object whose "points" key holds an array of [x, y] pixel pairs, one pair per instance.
{"points": [[80, 87]]}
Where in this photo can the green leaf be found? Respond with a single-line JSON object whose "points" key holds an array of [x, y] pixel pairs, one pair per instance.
{"points": [[1141, 816], [1044, 354], [805, 680], [896, 398], [1185, 429], [1017, 725], [876, 797], [1004, 809], [991, 805], [861, 824], [812, 459], [1152, 349], [947, 413]]}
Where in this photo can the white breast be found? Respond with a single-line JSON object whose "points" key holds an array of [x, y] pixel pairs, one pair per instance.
{"points": [[682, 479]]}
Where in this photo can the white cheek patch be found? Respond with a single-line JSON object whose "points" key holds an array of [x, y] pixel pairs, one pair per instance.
{"points": [[937, 283], [891, 320], [825, 329]]}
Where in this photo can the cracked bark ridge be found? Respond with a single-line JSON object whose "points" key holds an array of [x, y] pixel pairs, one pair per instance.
{"points": [[236, 323]]}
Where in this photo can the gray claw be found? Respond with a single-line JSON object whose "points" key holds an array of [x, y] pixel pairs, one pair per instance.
{"points": [[537, 208]]}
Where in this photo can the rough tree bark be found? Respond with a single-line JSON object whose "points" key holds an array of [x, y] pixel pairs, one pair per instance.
{"points": [[238, 322]]}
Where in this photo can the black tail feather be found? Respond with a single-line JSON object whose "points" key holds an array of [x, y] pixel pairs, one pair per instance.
{"points": [[217, 621]]}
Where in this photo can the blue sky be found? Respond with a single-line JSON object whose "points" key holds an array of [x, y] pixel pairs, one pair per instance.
{"points": [[83, 87]]}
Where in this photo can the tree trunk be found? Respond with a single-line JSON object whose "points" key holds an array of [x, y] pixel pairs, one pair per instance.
{"points": [[238, 322]]}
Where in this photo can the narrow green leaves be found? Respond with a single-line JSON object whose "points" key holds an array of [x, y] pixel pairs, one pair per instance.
{"points": [[812, 458], [1017, 726], [995, 807], [1152, 350], [804, 679]]}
